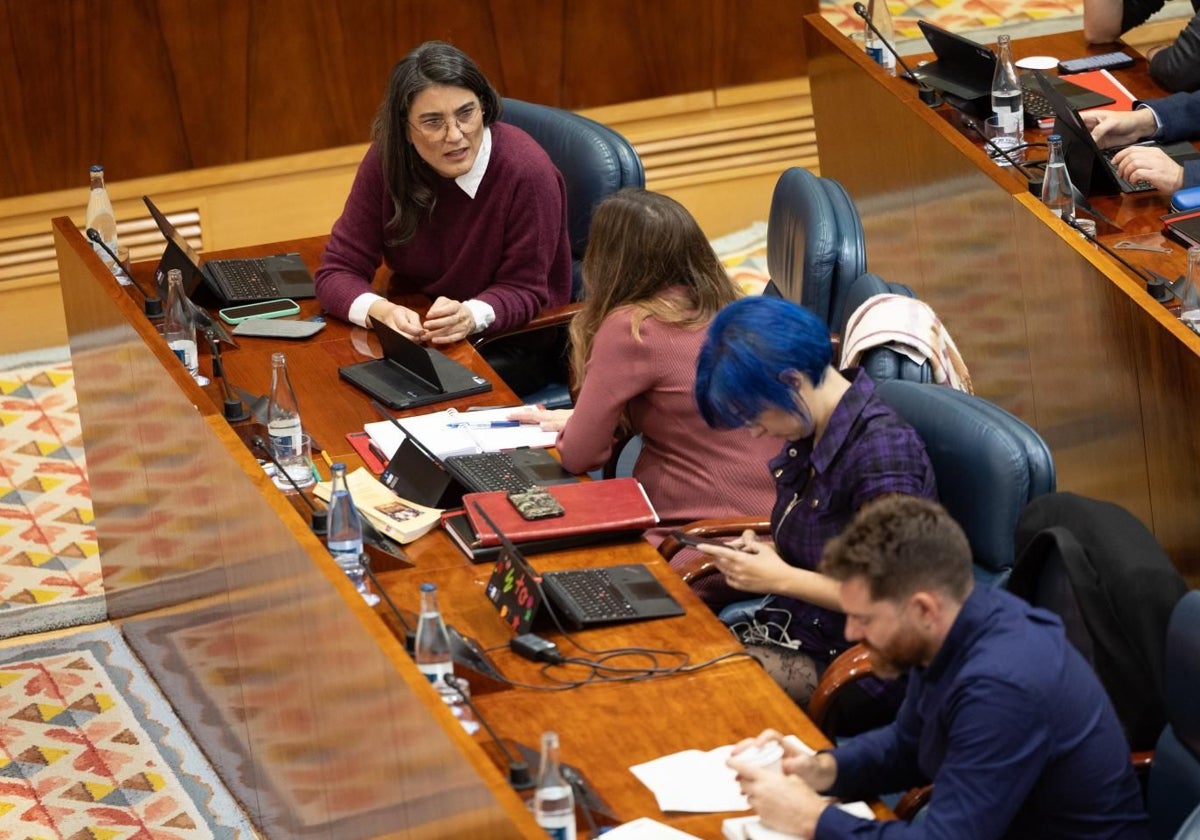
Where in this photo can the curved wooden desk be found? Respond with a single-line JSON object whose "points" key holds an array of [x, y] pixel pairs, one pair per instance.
{"points": [[297, 691], [1053, 329]]}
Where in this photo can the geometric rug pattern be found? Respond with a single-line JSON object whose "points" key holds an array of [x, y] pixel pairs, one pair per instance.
{"points": [[49, 564], [90, 750], [961, 16]]}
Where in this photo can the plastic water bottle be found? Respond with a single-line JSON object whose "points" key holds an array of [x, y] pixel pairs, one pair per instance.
{"points": [[344, 537], [283, 412], [1008, 100], [1056, 182], [553, 801], [179, 327], [878, 14], [431, 649], [100, 216]]}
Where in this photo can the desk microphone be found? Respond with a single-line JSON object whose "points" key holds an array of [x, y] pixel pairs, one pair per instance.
{"points": [[925, 92], [153, 305], [319, 519], [1159, 287], [519, 775], [235, 410]]}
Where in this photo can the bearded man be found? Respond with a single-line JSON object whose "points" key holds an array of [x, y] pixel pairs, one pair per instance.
{"points": [[1001, 714]]}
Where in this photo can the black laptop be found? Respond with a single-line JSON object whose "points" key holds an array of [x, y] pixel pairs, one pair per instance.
{"points": [[414, 473], [231, 281], [578, 597], [964, 69], [410, 375], [1091, 168]]}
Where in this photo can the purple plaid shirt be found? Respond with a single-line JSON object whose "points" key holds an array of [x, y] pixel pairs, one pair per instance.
{"points": [[867, 451]]}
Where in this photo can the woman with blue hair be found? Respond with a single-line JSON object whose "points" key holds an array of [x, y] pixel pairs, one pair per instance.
{"points": [[767, 365]]}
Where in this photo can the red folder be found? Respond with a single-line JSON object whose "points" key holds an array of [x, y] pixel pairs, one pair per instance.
{"points": [[615, 504]]}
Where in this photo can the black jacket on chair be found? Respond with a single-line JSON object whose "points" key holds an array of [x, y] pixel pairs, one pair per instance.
{"points": [[1116, 603]]}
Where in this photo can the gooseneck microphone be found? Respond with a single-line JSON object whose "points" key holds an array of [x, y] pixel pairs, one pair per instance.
{"points": [[318, 518], [925, 92], [1158, 287], [519, 775], [235, 410], [153, 305]]}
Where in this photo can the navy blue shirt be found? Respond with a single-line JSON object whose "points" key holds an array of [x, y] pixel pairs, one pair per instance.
{"points": [[1013, 728]]}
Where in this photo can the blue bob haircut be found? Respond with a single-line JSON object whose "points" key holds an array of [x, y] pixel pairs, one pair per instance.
{"points": [[752, 346]]}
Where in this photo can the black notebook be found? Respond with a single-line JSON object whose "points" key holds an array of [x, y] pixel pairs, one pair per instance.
{"points": [[410, 375]]}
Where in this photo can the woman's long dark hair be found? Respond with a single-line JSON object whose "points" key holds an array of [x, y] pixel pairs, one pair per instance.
{"points": [[410, 180]]}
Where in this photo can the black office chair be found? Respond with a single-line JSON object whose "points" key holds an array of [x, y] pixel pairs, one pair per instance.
{"points": [[1174, 788], [881, 363], [815, 244], [1097, 567], [989, 465], [595, 162]]}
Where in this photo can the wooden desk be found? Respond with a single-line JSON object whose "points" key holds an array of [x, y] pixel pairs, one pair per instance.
{"points": [[298, 692], [1052, 329]]}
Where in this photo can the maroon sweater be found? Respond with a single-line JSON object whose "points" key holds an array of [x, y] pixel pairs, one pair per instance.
{"points": [[507, 246]]}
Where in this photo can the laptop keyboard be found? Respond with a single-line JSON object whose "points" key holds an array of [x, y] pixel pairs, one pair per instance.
{"points": [[488, 471], [595, 595], [245, 280], [1141, 185]]}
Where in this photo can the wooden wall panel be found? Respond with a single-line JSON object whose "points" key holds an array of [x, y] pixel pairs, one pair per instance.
{"points": [[149, 87]]}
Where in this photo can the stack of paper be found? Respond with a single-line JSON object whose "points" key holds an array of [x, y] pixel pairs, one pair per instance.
{"points": [[450, 432], [400, 519]]}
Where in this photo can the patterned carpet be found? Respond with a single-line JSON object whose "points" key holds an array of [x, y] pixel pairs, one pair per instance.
{"points": [[1018, 18], [49, 565], [90, 750]]}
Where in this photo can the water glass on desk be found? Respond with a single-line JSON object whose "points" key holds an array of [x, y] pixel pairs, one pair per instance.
{"points": [[1005, 136], [1189, 293]]}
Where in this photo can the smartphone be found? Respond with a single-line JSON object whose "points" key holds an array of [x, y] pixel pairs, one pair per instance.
{"points": [[262, 309], [688, 539], [535, 503]]}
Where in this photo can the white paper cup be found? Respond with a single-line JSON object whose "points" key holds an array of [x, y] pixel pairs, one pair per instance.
{"points": [[768, 756]]}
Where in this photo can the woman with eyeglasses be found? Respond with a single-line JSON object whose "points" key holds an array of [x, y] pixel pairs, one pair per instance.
{"points": [[463, 209]]}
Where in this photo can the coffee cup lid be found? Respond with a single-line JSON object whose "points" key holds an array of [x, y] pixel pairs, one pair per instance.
{"points": [[762, 756]]}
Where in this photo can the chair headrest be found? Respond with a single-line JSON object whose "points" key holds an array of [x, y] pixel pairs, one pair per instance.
{"points": [[1183, 671], [988, 463], [814, 242], [594, 160]]}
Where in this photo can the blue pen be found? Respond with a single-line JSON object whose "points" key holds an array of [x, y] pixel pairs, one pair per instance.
{"points": [[491, 424]]}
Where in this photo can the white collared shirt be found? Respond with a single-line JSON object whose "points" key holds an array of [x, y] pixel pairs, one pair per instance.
{"points": [[483, 313]]}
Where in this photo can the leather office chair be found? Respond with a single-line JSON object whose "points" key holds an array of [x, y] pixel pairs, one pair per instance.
{"points": [[1174, 787], [989, 465], [595, 162], [1097, 567], [881, 363], [815, 244]]}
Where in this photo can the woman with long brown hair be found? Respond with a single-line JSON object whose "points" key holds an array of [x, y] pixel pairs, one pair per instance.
{"points": [[652, 283]]}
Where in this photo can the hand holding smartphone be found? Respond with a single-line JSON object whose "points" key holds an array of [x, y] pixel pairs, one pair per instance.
{"points": [[688, 539]]}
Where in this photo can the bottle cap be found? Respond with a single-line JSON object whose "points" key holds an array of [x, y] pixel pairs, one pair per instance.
{"points": [[428, 587], [96, 168]]}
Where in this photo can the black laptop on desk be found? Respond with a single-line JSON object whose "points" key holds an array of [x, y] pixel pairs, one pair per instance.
{"points": [[579, 597], [963, 72], [1091, 168], [231, 281], [410, 375]]}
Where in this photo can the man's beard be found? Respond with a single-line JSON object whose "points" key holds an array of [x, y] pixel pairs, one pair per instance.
{"points": [[904, 652]]}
